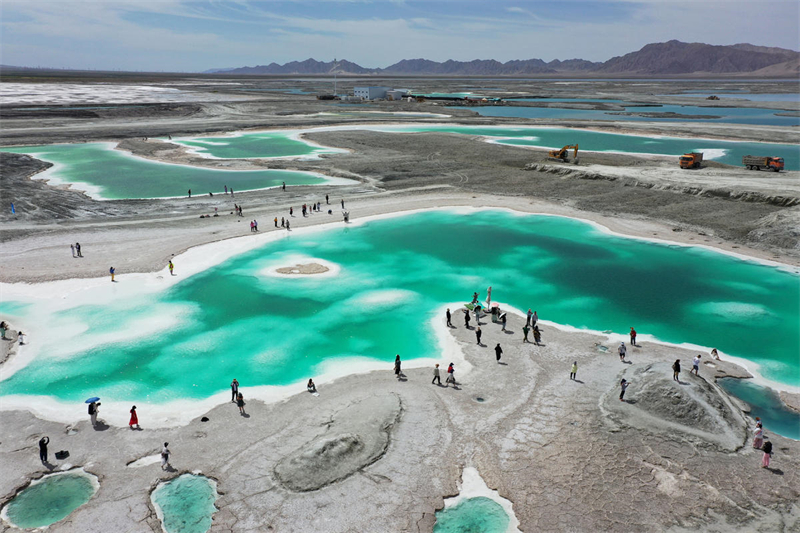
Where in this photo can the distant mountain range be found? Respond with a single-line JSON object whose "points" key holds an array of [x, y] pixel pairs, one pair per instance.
{"points": [[670, 58]]}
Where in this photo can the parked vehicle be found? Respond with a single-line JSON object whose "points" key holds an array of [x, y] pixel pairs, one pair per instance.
{"points": [[757, 162], [691, 160]]}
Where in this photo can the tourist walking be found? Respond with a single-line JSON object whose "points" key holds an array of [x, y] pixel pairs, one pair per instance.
{"points": [[43, 442], [291, 211], [165, 453], [283, 223], [251, 226], [226, 189], [327, 201], [287, 225], [466, 318], [534, 318], [633, 337], [78, 249], [276, 222], [767, 449], [624, 386], [676, 370], [530, 315], [451, 375], [573, 373], [503, 319], [447, 314], [498, 351], [283, 187], [255, 225], [112, 271], [342, 203], [525, 331], [234, 389], [397, 366], [3, 329], [134, 421], [696, 365], [72, 247], [190, 193], [622, 350], [171, 268], [240, 403], [436, 377], [21, 338], [537, 335], [758, 436], [478, 334]]}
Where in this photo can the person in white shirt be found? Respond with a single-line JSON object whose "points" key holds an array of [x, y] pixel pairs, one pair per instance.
{"points": [[622, 351], [696, 365]]}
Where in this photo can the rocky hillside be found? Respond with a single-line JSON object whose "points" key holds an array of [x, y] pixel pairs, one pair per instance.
{"points": [[670, 58], [675, 57]]}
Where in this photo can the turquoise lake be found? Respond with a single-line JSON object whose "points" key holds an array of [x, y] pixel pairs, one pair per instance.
{"points": [[234, 320], [112, 174], [727, 115], [261, 144], [727, 152]]}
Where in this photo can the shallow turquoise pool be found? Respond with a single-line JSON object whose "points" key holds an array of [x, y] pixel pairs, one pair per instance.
{"points": [[766, 404], [473, 515], [49, 500], [263, 144], [236, 320], [186, 503], [727, 152], [107, 173], [727, 115]]}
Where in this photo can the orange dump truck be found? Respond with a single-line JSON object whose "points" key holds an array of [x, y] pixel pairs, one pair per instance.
{"points": [[757, 162], [691, 160]]}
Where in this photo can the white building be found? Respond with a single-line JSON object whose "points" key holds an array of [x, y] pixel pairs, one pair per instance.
{"points": [[370, 93], [396, 94]]}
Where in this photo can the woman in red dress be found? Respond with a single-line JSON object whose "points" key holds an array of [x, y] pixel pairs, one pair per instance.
{"points": [[134, 419]]}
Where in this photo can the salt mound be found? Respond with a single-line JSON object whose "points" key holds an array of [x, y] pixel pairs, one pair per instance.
{"points": [[694, 410], [358, 436]]}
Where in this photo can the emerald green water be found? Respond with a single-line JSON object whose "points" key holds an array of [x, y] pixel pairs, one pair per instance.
{"points": [[50, 500], [264, 144], [187, 504], [112, 174], [473, 515], [233, 320]]}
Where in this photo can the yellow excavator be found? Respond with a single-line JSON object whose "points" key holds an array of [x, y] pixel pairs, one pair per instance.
{"points": [[562, 154]]}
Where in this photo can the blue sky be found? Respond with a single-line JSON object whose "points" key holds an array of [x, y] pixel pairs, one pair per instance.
{"points": [[191, 36]]}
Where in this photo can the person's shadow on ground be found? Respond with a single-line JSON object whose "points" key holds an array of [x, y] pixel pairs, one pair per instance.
{"points": [[169, 468], [776, 471], [508, 332], [578, 381], [101, 426], [245, 415], [48, 465], [502, 363]]}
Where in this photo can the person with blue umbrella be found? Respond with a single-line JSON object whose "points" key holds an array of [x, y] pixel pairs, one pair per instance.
{"points": [[94, 408]]}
